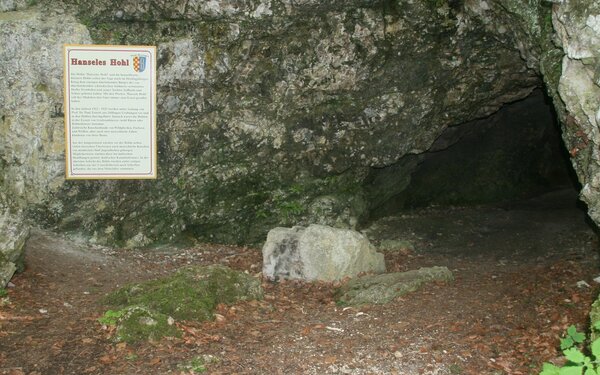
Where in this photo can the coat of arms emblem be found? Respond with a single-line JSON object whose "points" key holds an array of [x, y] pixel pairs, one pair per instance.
{"points": [[139, 63]]}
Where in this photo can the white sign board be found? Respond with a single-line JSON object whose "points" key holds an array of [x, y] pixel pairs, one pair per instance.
{"points": [[110, 112]]}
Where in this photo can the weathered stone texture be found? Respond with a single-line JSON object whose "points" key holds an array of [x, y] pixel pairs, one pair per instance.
{"points": [[270, 112], [380, 289], [318, 252], [31, 123], [13, 234], [577, 23]]}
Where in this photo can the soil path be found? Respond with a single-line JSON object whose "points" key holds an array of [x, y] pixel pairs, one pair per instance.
{"points": [[517, 269]]}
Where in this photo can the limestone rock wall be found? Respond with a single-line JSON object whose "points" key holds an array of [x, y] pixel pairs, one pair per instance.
{"points": [[13, 233], [31, 122], [577, 23], [270, 112]]}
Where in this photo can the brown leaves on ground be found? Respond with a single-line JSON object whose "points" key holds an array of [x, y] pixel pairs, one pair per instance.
{"points": [[496, 317]]}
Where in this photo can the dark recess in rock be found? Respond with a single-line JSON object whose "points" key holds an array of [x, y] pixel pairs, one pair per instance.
{"points": [[513, 154]]}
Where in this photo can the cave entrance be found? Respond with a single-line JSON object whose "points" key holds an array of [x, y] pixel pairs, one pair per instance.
{"points": [[502, 185], [515, 154]]}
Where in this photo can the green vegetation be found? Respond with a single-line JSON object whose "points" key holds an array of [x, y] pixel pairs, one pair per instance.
{"points": [[578, 362], [147, 311], [111, 317], [198, 365], [289, 210]]}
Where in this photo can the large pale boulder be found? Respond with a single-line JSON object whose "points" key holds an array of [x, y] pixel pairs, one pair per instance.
{"points": [[318, 252]]}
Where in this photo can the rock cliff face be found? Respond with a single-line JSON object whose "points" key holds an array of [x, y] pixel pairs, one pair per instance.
{"points": [[577, 24], [272, 112], [31, 124]]}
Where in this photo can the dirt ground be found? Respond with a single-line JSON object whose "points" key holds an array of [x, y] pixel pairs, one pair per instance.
{"points": [[516, 267]]}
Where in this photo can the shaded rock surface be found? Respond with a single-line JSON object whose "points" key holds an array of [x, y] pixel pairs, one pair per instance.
{"points": [[324, 91], [380, 289], [577, 24], [318, 252], [327, 92], [515, 153], [14, 232]]}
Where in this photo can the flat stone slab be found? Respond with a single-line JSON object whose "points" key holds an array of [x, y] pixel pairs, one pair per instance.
{"points": [[380, 289]]}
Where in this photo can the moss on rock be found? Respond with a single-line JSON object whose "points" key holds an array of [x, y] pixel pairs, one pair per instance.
{"points": [[192, 293], [142, 324]]}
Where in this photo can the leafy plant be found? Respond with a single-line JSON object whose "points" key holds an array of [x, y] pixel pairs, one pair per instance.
{"points": [[197, 365], [572, 338], [111, 317], [578, 362], [291, 209]]}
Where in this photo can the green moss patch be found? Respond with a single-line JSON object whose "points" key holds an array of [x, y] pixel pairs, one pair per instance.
{"points": [[141, 324], [141, 311]]}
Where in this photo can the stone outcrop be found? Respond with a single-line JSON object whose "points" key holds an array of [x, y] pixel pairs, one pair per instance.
{"points": [[31, 124], [380, 289], [325, 92], [577, 24], [13, 234], [281, 112], [318, 252]]}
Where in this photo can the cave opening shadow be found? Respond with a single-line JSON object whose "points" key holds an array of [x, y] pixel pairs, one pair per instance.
{"points": [[502, 186], [505, 159]]}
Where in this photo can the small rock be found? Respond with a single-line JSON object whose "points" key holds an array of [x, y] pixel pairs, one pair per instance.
{"points": [[583, 284]]}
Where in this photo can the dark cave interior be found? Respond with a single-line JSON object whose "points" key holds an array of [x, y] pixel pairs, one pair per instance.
{"points": [[516, 153]]}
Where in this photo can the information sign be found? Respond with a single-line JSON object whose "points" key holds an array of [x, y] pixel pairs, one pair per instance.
{"points": [[110, 112]]}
